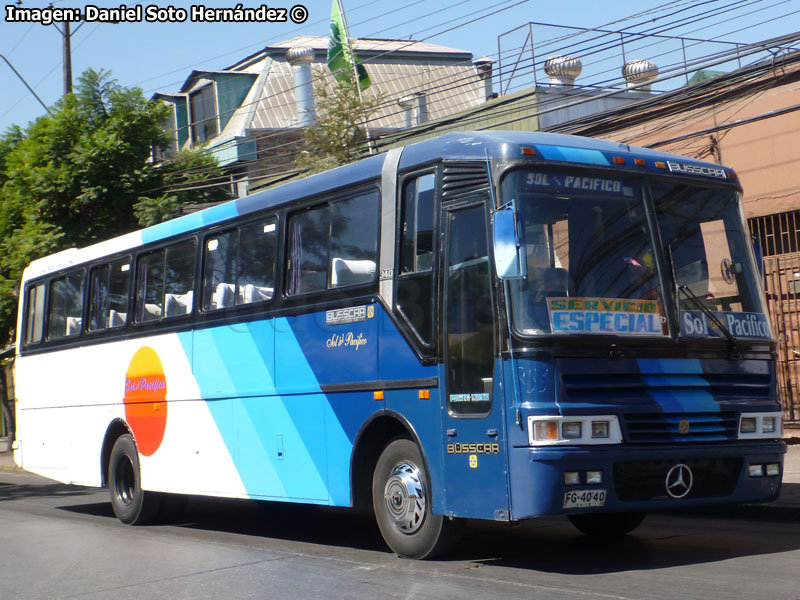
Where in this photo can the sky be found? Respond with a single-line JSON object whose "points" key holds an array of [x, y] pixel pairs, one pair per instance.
{"points": [[159, 56]]}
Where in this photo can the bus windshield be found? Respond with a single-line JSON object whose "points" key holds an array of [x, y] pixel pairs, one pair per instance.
{"points": [[592, 269], [703, 238]]}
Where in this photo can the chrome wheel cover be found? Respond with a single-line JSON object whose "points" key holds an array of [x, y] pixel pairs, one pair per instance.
{"points": [[404, 494]]}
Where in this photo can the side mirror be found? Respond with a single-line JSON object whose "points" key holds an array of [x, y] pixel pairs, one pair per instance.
{"points": [[509, 248]]}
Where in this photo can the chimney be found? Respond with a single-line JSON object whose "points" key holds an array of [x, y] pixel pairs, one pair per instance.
{"points": [[563, 70], [639, 74], [407, 104], [484, 68], [300, 58], [422, 107]]}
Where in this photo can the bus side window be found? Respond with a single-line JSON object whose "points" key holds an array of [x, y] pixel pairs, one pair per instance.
{"points": [[179, 279], [109, 286], [354, 240], [415, 278], [150, 287], [34, 319], [257, 254], [219, 270], [240, 266], [309, 234], [66, 306], [165, 282], [333, 245]]}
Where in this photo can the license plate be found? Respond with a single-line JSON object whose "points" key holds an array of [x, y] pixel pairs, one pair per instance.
{"points": [[584, 498]]}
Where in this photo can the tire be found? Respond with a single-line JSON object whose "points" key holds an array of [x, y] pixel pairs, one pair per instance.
{"points": [[607, 524], [131, 504], [401, 500]]}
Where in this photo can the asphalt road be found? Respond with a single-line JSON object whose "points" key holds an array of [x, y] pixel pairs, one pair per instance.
{"points": [[59, 541]]}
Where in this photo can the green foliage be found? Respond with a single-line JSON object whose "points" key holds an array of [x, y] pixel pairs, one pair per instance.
{"points": [[190, 176], [338, 136], [74, 176]]}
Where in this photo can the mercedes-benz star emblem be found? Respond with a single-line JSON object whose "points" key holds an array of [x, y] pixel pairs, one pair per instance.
{"points": [[679, 481]]}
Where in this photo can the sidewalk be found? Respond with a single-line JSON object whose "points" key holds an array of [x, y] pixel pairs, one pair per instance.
{"points": [[787, 505]]}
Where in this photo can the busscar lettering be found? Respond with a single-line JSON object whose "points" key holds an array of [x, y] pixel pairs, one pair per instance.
{"points": [[474, 448], [676, 167]]}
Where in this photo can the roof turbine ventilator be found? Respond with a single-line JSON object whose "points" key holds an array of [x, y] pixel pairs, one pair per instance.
{"points": [[563, 70], [639, 74]]}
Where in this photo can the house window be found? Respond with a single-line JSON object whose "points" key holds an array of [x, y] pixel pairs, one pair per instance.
{"points": [[204, 114], [170, 125]]}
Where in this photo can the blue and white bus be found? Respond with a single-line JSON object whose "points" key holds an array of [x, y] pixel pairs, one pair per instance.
{"points": [[480, 326]]}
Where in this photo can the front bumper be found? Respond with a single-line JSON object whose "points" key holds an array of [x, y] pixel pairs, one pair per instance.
{"points": [[635, 477]]}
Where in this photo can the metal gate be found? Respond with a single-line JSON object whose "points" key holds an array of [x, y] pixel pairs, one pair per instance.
{"points": [[782, 282]]}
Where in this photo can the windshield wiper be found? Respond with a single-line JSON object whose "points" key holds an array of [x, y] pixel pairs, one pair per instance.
{"points": [[690, 295]]}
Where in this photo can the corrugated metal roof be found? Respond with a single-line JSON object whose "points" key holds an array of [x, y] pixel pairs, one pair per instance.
{"points": [[448, 89], [398, 68]]}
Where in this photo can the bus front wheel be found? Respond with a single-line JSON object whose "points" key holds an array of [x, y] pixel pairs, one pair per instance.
{"points": [[607, 524], [131, 504], [401, 499]]}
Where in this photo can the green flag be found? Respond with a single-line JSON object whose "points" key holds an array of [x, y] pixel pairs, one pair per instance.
{"points": [[340, 59]]}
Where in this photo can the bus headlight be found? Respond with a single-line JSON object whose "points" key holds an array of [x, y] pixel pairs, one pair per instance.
{"points": [[599, 429], [748, 425], [571, 430], [760, 425], [574, 430]]}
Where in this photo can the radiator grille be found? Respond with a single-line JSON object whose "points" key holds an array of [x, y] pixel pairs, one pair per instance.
{"points": [[646, 480], [654, 428]]}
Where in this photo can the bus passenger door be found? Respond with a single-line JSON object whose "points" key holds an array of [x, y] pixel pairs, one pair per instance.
{"points": [[474, 440]]}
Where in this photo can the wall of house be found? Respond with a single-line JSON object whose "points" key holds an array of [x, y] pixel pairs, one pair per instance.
{"points": [[764, 153]]}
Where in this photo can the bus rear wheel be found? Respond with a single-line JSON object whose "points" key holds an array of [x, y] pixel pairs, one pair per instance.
{"points": [[607, 524], [131, 504], [401, 500]]}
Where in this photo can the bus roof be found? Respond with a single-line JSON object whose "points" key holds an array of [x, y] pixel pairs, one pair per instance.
{"points": [[504, 145]]}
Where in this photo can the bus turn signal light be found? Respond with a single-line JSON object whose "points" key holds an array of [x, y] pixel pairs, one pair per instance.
{"points": [[545, 430]]}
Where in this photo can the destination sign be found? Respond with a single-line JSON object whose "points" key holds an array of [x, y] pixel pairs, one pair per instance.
{"points": [[576, 183], [695, 323], [605, 316]]}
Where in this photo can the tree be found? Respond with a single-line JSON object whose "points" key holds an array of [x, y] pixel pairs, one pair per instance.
{"points": [[81, 174], [338, 136], [190, 177]]}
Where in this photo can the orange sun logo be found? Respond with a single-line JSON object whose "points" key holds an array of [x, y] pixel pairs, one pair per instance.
{"points": [[146, 400]]}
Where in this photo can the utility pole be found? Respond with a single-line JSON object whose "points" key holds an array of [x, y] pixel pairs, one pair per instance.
{"points": [[67, 53], [66, 35]]}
